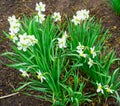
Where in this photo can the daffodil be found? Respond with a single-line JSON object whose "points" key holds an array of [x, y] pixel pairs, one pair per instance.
{"points": [[12, 19], [26, 41], [99, 88], [83, 14], [90, 62], [14, 24], [81, 53], [76, 20], [22, 46], [56, 16], [13, 37], [40, 7], [14, 28], [23, 42], [80, 47], [108, 89], [24, 73], [62, 42], [80, 16], [40, 18], [40, 76], [92, 51], [32, 40]]}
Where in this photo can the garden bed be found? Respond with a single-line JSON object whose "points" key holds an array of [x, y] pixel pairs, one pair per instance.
{"points": [[10, 78]]}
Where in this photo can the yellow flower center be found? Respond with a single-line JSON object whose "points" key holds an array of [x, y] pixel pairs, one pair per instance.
{"points": [[91, 51], [77, 20], [81, 54], [108, 90], [38, 76], [12, 36], [99, 87]]}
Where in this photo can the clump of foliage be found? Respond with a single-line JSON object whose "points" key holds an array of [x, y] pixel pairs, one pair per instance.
{"points": [[51, 55], [116, 6]]}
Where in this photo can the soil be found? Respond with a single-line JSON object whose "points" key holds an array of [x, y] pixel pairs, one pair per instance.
{"points": [[10, 78]]}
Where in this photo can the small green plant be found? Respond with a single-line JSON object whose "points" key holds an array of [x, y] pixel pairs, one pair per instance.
{"points": [[116, 6], [52, 56], [87, 47]]}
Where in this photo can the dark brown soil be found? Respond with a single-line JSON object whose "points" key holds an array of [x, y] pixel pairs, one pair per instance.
{"points": [[10, 78]]}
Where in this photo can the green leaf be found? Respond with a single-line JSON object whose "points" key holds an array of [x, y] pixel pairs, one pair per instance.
{"points": [[23, 86]]}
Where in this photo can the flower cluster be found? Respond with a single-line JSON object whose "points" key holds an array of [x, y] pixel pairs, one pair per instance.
{"points": [[40, 7], [22, 41], [26, 41], [81, 51], [62, 41], [39, 74], [80, 16], [103, 89], [14, 27]]}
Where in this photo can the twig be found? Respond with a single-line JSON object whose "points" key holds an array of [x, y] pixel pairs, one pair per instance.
{"points": [[2, 97]]}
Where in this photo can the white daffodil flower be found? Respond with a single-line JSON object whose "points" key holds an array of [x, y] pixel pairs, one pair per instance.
{"points": [[80, 16], [56, 16], [62, 42], [33, 40], [23, 36], [90, 62], [12, 19], [22, 46], [92, 51], [41, 17], [76, 20], [108, 89], [80, 47], [14, 24], [24, 73], [40, 7], [99, 88], [13, 37], [83, 14], [81, 53], [40, 76], [14, 28], [26, 41]]}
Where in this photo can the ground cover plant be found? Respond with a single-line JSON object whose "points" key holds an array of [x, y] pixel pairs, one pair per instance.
{"points": [[115, 4], [48, 52]]}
